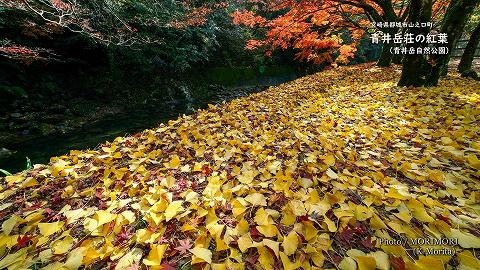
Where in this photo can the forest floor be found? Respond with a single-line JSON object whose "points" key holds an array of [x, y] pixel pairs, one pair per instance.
{"points": [[341, 169]]}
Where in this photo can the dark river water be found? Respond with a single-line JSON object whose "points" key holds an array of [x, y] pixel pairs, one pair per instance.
{"points": [[40, 150]]}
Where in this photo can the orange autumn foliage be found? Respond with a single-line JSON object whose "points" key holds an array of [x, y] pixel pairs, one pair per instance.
{"points": [[316, 28]]}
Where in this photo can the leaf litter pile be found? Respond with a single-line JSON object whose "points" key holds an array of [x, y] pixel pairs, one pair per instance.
{"points": [[337, 170]]}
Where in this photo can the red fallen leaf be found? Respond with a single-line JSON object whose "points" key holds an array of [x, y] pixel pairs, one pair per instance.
{"points": [[368, 243], [34, 206], [333, 257], [127, 143], [229, 221], [397, 263], [133, 267], [196, 221], [56, 217], [163, 240], [102, 205], [330, 214], [254, 233], [182, 183], [184, 246], [111, 226], [446, 219], [302, 257], [234, 243], [169, 266], [207, 170], [56, 200], [99, 193], [252, 259], [302, 218], [346, 235], [19, 200], [48, 211], [276, 265], [3, 214], [120, 183], [359, 228], [384, 162], [170, 229], [302, 238], [113, 265], [23, 241], [123, 235], [474, 232], [439, 185]]}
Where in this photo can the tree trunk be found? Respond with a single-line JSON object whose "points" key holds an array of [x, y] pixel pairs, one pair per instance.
{"points": [[414, 65], [467, 56], [453, 23], [397, 58], [386, 57]]}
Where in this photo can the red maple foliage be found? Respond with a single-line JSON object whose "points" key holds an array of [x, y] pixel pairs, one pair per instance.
{"points": [[320, 30], [22, 241], [184, 246]]}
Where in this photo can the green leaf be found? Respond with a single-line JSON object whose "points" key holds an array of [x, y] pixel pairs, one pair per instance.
{"points": [[5, 172]]}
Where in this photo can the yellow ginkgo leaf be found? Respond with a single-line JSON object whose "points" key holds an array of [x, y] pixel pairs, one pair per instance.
{"points": [[465, 240], [265, 259], [290, 243], [332, 174], [329, 160], [172, 210], [63, 245], [244, 242], [132, 257], [268, 230], [330, 224], [155, 255], [7, 225], [429, 262], [104, 217], [347, 264], [256, 199], [474, 161], [366, 262], [247, 177], [273, 245], [10, 259], [262, 217], [467, 261], [381, 259], [174, 162], [47, 229], [202, 253], [75, 258], [287, 264]]}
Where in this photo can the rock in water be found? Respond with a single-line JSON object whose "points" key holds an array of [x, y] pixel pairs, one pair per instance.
{"points": [[4, 152]]}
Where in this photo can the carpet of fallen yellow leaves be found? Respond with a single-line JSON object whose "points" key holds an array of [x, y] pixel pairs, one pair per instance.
{"points": [[337, 170]]}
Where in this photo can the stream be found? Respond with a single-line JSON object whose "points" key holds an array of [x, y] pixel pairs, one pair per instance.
{"points": [[89, 136]]}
